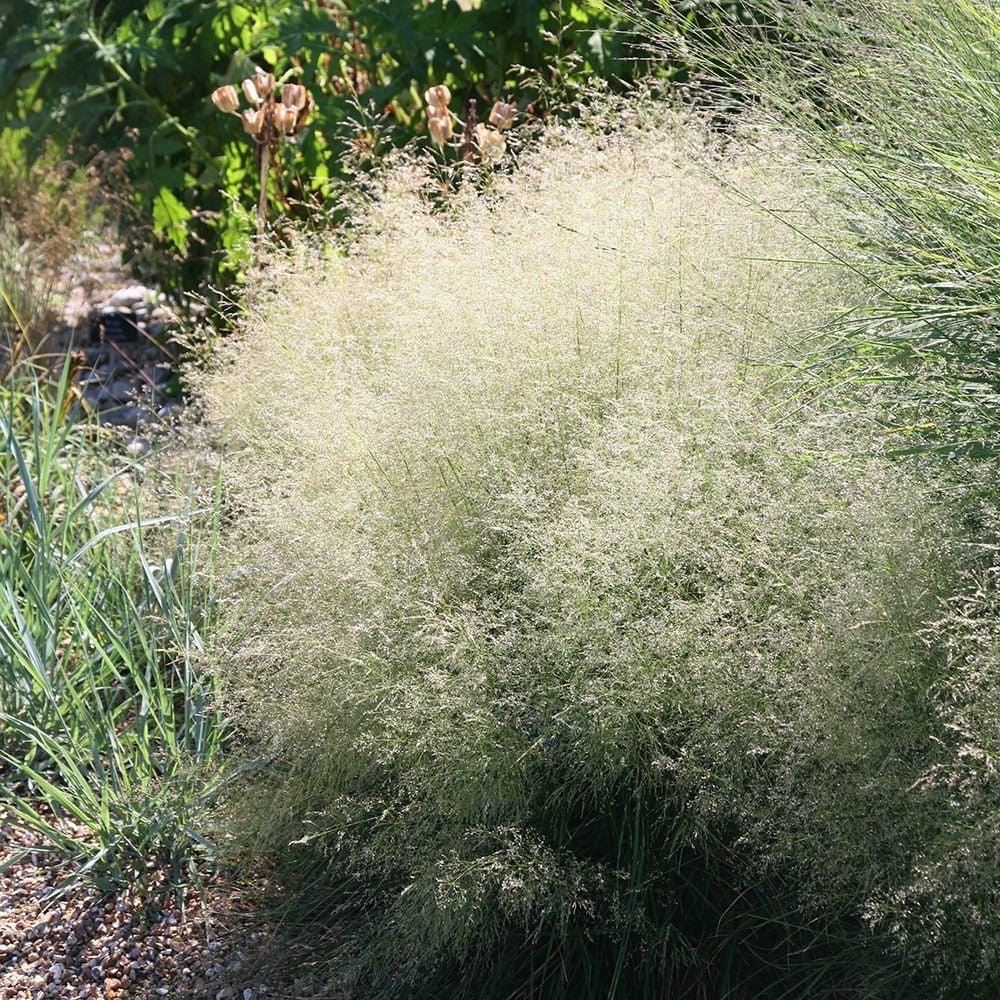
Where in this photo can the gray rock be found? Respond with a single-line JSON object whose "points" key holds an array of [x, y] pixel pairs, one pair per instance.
{"points": [[95, 397], [96, 354], [156, 375], [158, 329], [122, 390], [129, 297], [170, 411], [128, 416]]}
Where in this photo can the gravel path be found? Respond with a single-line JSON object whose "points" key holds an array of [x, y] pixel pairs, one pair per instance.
{"points": [[204, 946]]}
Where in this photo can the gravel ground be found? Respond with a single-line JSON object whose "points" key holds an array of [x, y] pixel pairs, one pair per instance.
{"points": [[208, 945]]}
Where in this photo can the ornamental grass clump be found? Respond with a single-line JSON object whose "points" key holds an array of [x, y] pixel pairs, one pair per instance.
{"points": [[587, 666], [110, 738], [897, 98]]}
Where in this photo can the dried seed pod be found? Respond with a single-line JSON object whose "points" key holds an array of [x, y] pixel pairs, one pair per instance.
{"points": [[438, 97], [491, 144], [294, 95], [263, 83], [279, 117], [285, 118], [503, 115], [250, 92], [226, 99], [440, 128], [253, 121]]}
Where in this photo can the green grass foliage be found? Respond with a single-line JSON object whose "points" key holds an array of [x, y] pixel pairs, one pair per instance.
{"points": [[897, 99], [586, 663], [106, 719]]}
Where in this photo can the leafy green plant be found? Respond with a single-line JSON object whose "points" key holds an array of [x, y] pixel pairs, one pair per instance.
{"points": [[106, 718], [119, 74]]}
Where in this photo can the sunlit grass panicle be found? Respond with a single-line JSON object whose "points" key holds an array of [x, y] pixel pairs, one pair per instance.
{"points": [[564, 631]]}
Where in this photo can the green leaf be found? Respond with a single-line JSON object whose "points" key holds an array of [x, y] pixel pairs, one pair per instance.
{"points": [[170, 218]]}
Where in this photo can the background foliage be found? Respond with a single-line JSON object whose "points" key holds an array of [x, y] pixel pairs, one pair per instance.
{"points": [[112, 74]]}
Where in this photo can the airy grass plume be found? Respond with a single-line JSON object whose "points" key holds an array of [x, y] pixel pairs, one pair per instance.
{"points": [[588, 669]]}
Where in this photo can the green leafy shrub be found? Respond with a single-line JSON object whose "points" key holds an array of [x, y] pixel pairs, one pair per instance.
{"points": [[106, 717], [138, 75], [587, 667]]}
